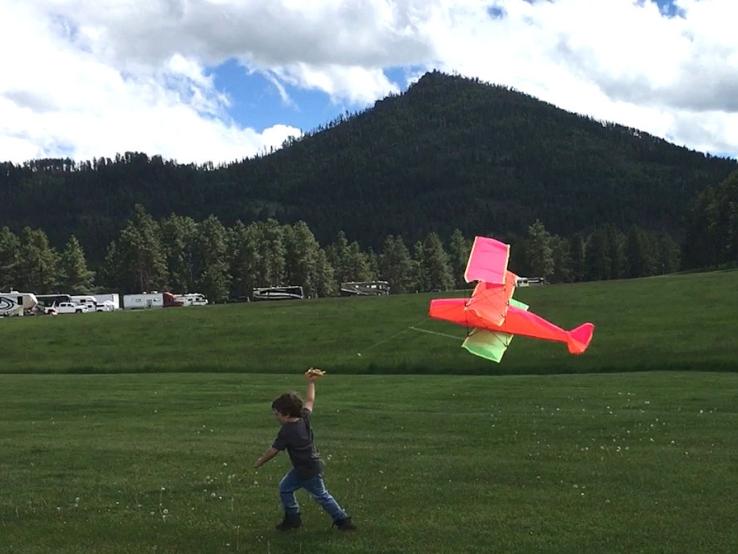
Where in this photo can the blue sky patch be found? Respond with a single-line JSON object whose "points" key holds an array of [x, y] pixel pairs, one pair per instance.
{"points": [[257, 103]]}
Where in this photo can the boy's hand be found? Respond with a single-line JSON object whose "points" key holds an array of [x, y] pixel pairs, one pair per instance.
{"points": [[314, 373]]}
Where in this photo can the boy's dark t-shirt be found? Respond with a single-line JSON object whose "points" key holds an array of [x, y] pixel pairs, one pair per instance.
{"points": [[297, 438]]}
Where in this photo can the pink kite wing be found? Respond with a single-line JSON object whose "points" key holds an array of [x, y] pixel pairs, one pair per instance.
{"points": [[487, 261], [490, 302]]}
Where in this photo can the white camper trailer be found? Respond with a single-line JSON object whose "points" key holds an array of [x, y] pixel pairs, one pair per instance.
{"points": [[193, 299], [108, 300], [85, 300], [150, 300], [17, 303], [11, 304]]}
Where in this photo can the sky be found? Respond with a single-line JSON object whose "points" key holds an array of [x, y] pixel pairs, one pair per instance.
{"points": [[222, 80]]}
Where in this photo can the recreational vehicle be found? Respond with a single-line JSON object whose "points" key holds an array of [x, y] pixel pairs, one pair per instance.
{"points": [[51, 300], [17, 303], [365, 288], [278, 293], [530, 281], [85, 300], [193, 299]]}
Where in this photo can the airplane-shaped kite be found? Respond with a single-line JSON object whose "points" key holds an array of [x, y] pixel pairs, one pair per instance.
{"points": [[493, 314]]}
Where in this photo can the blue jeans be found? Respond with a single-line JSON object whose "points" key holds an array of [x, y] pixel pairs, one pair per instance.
{"points": [[316, 487]]}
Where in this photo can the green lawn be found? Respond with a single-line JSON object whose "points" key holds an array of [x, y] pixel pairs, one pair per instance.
{"points": [[137, 432], [683, 322], [575, 463]]}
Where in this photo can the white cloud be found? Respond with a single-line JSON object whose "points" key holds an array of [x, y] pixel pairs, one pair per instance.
{"points": [[59, 99], [91, 79]]}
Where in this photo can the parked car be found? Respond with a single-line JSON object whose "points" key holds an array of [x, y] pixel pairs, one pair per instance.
{"points": [[70, 308], [106, 306]]}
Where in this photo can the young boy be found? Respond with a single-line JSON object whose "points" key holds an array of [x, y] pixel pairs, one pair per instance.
{"points": [[296, 435]]}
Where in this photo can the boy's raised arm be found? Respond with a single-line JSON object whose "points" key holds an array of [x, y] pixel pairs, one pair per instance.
{"points": [[311, 375], [310, 395]]}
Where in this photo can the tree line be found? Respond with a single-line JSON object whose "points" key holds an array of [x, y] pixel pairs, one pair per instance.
{"points": [[225, 263], [712, 233], [448, 153]]}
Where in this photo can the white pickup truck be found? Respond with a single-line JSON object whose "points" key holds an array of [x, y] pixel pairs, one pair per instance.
{"points": [[70, 308]]}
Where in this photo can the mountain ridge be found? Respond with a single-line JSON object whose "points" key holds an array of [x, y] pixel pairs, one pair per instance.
{"points": [[450, 152]]}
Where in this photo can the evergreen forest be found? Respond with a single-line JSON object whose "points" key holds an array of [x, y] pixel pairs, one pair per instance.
{"points": [[395, 192]]}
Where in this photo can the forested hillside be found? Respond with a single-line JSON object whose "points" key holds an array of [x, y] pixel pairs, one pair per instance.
{"points": [[448, 153]]}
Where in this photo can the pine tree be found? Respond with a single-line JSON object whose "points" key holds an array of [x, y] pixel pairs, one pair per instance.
{"points": [[576, 249], [436, 266], [302, 258], [74, 277], [37, 268], [178, 235], [272, 254], [356, 264], [598, 262], [539, 251], [9, 258], [110, 273], [213, 279], [640, 261], [563, 264], [668, 255], [325, 279], [373, 261], [458, 252], [615, 241], [140, 256], [338, 253], [396, 265], [421, 279], [245, 259]]}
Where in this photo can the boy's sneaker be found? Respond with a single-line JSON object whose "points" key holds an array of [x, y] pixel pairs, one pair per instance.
{"points": [[345, 524], [290, 521]]}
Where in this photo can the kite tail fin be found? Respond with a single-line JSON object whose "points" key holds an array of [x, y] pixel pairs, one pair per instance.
{"points": [[578, 339]]}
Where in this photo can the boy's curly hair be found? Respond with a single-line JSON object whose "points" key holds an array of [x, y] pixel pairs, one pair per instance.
{"points": [[288, 404]]}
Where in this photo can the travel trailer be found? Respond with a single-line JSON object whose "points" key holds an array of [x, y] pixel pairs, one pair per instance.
{"points": [[17, 303], [148, 300]]}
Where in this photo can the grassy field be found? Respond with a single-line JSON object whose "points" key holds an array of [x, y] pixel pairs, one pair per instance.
{"points": [[163, 463], [684, 322], [137, 432]]}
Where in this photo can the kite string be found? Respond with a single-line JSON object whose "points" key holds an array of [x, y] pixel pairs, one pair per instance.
{"points": [[393, 336], [435, 333]]}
